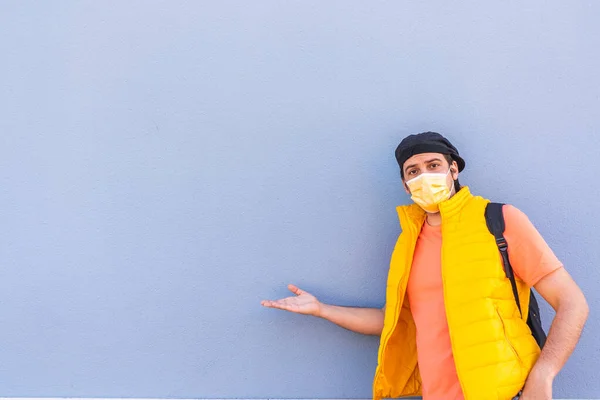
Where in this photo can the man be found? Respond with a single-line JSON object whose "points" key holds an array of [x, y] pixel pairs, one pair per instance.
{"points": [[451, 328]]}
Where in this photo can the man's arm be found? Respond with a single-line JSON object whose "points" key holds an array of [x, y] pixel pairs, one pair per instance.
{"points": [[563, 294], [368, 321]]}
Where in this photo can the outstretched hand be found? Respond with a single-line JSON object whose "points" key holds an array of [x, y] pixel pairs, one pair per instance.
{"points": [[302, 303]]}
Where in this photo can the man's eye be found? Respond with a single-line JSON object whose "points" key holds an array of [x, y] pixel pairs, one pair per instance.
{"points": [[412, 172], [434, 165]]}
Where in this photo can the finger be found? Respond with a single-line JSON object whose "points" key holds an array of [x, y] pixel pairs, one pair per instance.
{"points": [[272, 303], [269, 303], [295, 289], [279, 304]]}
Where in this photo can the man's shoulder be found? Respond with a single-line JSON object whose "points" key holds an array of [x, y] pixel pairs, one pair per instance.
{"points": [[510, 211], [512, 214]]}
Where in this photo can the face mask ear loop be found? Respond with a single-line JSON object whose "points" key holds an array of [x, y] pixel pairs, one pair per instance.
{"points": [[453, 188]]}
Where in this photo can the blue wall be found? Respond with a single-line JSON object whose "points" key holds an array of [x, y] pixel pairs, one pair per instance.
{"points": [[164, 166]]}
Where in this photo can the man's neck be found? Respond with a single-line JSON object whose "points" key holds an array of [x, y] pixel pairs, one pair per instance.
{"points": [[434, 219]]}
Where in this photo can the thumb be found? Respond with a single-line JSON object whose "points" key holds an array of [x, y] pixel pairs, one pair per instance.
{"points": [[295, 289]]}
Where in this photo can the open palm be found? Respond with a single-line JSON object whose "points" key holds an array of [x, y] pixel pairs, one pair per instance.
{"points": [[302, 303]]}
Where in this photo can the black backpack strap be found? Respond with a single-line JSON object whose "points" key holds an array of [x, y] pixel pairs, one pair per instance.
{"points": [[494, 218]]}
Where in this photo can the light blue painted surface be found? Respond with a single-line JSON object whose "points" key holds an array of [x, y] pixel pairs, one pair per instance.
{"points": [[166, 165]]}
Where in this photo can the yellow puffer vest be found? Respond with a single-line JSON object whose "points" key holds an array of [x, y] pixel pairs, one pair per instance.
{"points": [[492, 345]]}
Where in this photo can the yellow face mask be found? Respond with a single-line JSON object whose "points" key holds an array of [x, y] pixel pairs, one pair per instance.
{"points": [[428, 190]]}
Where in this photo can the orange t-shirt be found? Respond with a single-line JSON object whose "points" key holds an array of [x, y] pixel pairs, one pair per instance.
{"points": [[531, 259]]}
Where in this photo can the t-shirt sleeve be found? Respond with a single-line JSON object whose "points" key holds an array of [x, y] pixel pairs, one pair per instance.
{"points": [[529, 254]]}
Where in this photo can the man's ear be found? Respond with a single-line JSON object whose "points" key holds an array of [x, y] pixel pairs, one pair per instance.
{"points": [[454, 170]]}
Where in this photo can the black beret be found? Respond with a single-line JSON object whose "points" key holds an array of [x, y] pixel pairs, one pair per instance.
{"points": [[427, 142]]}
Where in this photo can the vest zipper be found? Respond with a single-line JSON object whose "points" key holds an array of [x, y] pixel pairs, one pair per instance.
{"points": [[387, 337], [512, 348], [385, 340]]}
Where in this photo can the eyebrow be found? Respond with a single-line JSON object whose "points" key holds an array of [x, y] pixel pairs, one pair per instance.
{"points": [[426, 162]]}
